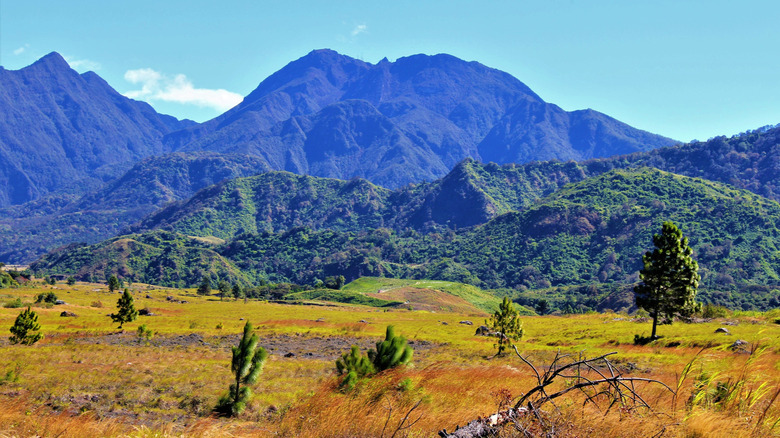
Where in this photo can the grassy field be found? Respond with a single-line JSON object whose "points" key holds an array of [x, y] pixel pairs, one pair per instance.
{"points": [[86, 378]]}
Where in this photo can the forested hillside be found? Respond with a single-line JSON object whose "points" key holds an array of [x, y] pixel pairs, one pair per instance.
{"points": [[591, 232]]}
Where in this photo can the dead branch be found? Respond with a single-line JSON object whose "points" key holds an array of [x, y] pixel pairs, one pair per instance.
{"points": [[595, 378]]}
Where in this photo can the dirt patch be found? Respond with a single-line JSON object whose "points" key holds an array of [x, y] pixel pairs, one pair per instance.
{"points": [[427, 299], [283, 346]]}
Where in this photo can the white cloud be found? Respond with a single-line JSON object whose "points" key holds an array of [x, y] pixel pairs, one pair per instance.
{"points": [[82, 65], [360, 28], [21, 50], [178, 89]]}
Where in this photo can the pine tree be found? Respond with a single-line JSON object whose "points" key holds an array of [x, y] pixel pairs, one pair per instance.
{"points": [[247, 363], [669, 277], [353, 366], [205, 286], [126, 309], [224, 288], [237, 292], [24, 326], [113, 283], [391, 352], [506, 323]]}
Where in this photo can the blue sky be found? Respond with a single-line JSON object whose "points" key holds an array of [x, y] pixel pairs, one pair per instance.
{"points": [[684, 69]]}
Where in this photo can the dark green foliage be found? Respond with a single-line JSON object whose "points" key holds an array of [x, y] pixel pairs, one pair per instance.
{"points": [[71, 281], [334, 282], [144, 332], [340, 297], [505, 322], [582, 242], [46, 297], [126, 311], [391, 352], [113, 283], [236, 291], [669, 277], [205, 286], [353, 366], [224, 289], [246, 365], [713, 311], [24, 329]]}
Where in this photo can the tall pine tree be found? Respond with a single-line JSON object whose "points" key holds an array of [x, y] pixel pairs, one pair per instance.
{"points": [[669, 277], [126, 309]]}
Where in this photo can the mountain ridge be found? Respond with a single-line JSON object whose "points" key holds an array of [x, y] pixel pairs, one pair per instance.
{"points": [[65, 131]]}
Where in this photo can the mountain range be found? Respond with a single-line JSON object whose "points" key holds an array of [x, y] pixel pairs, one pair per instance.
{"points": [[324, 114], [82, 162], [64, 131], [426, 167]]}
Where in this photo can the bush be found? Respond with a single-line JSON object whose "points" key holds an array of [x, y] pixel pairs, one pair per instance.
{"points": [[46, 297], [145, 332], [15, 304], [711, 311], [389, 353]]}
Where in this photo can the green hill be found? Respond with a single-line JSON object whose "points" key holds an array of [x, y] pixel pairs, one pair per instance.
{"points": [[590, 233]]}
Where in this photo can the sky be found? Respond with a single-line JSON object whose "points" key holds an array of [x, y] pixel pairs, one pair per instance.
{"points": [[684, 69]]}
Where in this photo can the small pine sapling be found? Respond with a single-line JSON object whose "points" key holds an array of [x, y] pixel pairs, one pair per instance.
{"points": [[24, 328], [353, 366], [126, 309], [247, 363], [391, 352]]}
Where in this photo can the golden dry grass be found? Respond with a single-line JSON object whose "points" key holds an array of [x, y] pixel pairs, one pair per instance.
{"points": [[70, 385]]}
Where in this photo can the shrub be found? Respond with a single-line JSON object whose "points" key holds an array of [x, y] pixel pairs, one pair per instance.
{"points": [[46, 297], [145, 332], [390, 353], [712, 311], [15, 304]]}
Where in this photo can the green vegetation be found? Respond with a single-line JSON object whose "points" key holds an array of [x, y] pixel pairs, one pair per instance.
{"points": [[246, 365], [205, 286], [25, 330], [338, 296], [46, 297], [588, 234], [669, 277], [126, 311], [113, 283], [505, 323], [390, 353]]}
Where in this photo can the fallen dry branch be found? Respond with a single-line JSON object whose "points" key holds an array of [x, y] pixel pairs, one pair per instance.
{"points": [[596, 378]]}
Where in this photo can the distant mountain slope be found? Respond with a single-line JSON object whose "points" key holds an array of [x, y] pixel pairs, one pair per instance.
{"points": [[403, 122], [30, 230], [470, 194], [60, 130], [473, 193], [594, 231], [274, 201]]}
